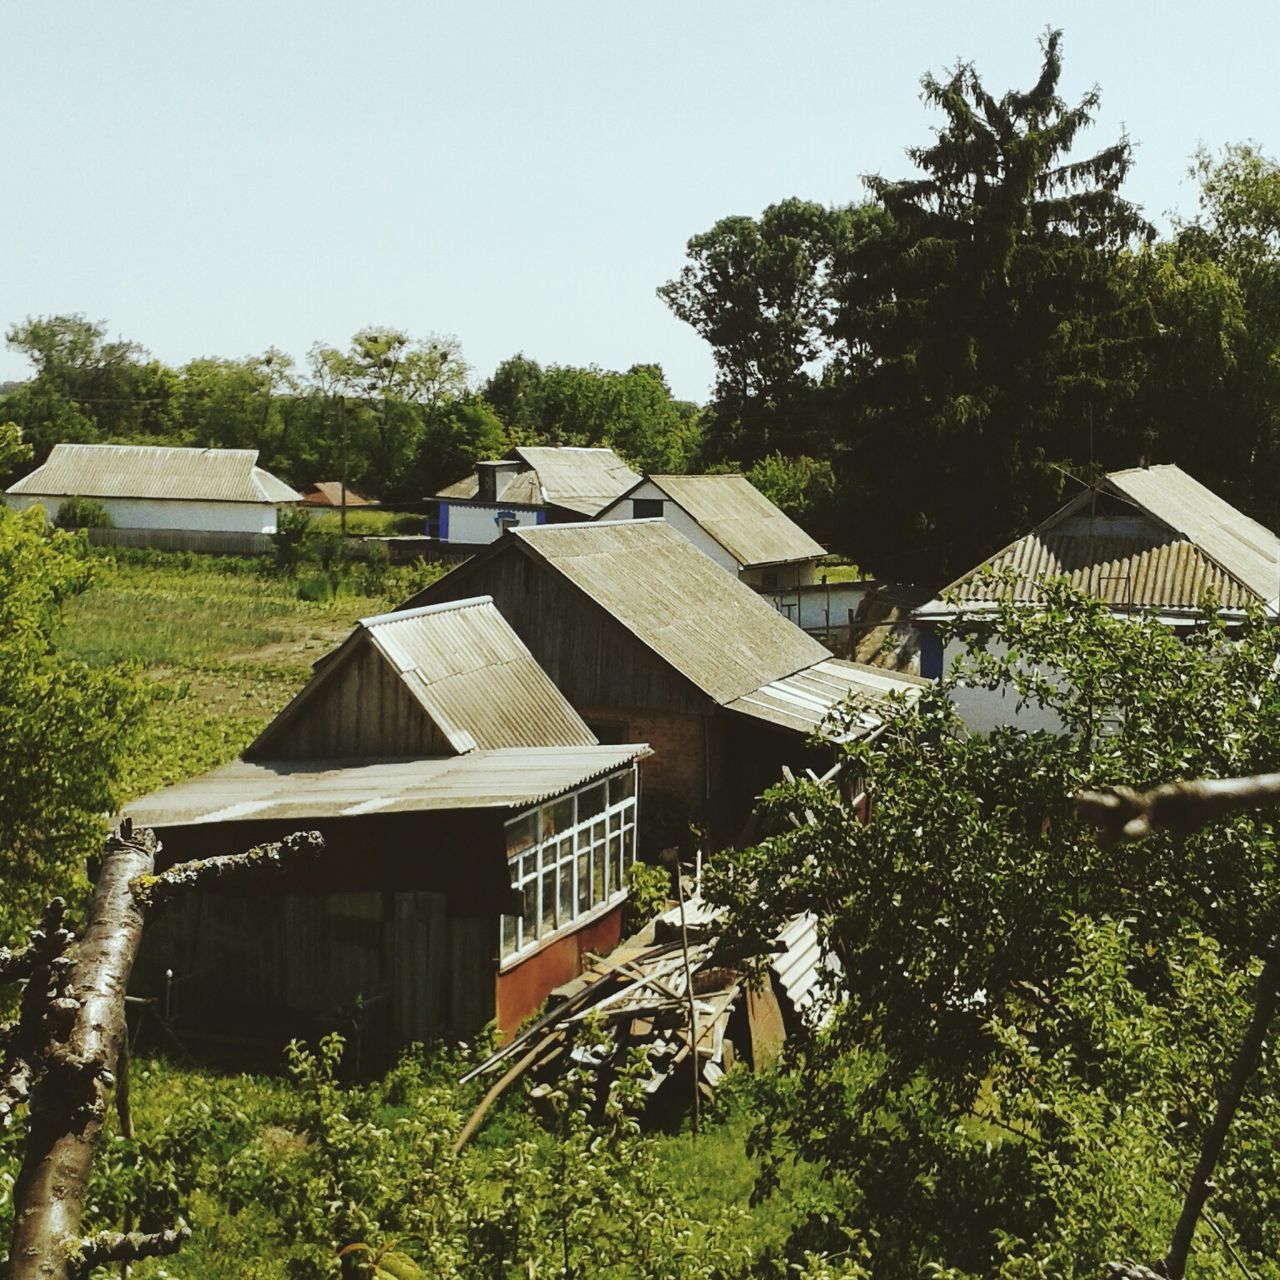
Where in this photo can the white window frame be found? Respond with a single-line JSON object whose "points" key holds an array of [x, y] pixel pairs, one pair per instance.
{"points": [[608, 835]]}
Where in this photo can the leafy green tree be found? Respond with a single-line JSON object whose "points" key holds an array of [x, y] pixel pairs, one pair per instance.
{"points": [[804, 488], [15, 453], [760, 291], [987, 327], [64, 726], [1007, 980]]}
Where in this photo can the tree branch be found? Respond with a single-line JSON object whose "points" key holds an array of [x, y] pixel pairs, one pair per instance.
{"points": [[264, 859], [132, 1246], [1125, 814]]}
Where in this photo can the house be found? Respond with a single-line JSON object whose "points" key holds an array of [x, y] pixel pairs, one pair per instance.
{"points": [[727, 518], [327, 495], [153, 487], [477, 841], [531, 485], [652, 641], [1149, 541]]}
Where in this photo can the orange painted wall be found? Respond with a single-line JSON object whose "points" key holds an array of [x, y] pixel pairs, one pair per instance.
{"points": [[521, 990]]}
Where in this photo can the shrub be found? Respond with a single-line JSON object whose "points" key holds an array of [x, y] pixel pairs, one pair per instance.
{"points": [[648, 890], [292, 539], [82, 513]]}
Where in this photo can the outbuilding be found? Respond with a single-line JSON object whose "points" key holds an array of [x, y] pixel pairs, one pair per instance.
{"points": [[652, 641], [154, 487], [477, 842]]}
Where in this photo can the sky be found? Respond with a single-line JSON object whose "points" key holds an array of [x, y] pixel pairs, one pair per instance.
{"points": [[214, 179]]}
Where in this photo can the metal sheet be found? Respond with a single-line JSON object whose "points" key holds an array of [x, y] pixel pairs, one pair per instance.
{"points": [[317, 789], [144, 471], [804, 701], [581, 480]]}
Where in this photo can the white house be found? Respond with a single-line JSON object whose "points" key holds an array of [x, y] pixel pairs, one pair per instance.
{"points": [[152, 487], [531, 485], [1148, 542]]}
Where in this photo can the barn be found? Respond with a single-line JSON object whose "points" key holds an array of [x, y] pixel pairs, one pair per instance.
{"points": [[652, 641], [152, 487], [477, 840]]}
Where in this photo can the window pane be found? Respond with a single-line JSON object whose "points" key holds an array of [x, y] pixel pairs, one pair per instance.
{"points": [[530, 916], [616, 882], [510, 924], [584, 882], [522, 833], [591, 801], [566, 883], [557, 817], [548, 901], [598, 864], [622, 786], [629, 845]]}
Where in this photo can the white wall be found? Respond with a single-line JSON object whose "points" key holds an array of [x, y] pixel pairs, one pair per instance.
{"points": [[474, 523], [677, 517], [985, 709], [819, 605], [166, 513]]}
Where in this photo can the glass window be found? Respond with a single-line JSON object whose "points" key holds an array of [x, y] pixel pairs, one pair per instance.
{"points": [[522, 833], [566, 881], [599, 863], [615, 864], [510, 934], [646, 508], [529, 919], [557, 817], [584, 883], [629, 846], [591, 801], [622, 787], [548, 900]]}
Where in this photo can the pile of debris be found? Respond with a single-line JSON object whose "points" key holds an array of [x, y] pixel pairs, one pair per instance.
{"points": [[655, 993]]}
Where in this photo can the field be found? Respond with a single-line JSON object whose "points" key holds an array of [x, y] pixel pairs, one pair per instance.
{"points": [[222, 646]]}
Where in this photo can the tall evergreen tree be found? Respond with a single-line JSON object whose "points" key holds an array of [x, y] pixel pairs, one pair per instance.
{"points": [[985, 326]]}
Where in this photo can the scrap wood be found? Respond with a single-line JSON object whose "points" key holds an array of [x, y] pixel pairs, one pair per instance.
{"points": [[499, 1088]]}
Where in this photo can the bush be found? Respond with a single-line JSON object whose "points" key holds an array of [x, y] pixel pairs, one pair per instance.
{"points": [[82, 513], [648, 891], [292, 539]]}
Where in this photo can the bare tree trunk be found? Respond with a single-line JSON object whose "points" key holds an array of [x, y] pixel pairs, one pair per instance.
{"points": [[77, 1077]]}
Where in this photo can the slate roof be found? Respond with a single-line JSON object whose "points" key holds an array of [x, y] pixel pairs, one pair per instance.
{"points": [[580, 480], [149, 471], [739, 517], [1150, 538]]}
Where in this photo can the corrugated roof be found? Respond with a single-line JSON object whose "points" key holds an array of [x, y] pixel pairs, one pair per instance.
{"points": [[803, 701], [1243, 547], [467, 669], [304, 790], [1168, 541], [147, 471], [714, 630], [475, 678], [581, 480], [741, 519]]}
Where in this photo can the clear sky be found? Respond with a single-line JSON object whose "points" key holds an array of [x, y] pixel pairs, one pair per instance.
{"points": [[213, 179]]}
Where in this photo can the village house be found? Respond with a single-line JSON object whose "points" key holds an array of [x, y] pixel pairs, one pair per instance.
{"points": [[1148, 541], [652, 641], [727, 518], [477, 839], [153, 487], [531, 485]]}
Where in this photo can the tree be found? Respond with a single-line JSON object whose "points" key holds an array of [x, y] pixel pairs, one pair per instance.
{"points": [[759, 290], [985, 330], [1030, 1023], [64, 726]]}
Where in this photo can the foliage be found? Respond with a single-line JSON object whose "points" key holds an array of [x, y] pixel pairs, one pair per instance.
{"points": [[293, 539], [64, 727], [14, 451], [648, 892], [1009, 982], [82, 513], [803, 487]]}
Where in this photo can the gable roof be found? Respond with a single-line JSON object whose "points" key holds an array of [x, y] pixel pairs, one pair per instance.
{"points": [[580, 480], [150, 471], [465, 667], [715, 631], [739, 517], [1162, 540]]}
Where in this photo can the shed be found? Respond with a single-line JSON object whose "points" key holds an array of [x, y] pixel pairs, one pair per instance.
{"points": [[153, 487], [651, 641], [477, 840], [531, 485], [728, 519]]}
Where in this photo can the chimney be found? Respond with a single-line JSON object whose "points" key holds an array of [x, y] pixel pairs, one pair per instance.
{"points": [[493, 477]]}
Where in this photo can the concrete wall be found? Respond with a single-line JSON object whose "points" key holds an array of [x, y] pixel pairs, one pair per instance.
{"points": [[817, 606], [479, 524], [164, 513], [985, 709]]}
